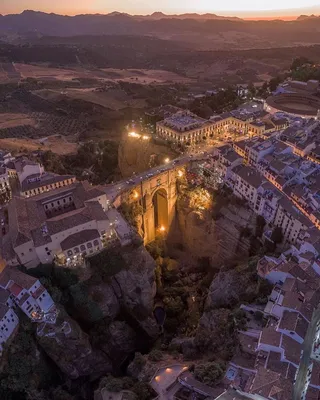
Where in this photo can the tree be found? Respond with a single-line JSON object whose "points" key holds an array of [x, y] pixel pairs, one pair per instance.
{"points": [[260, 224], [144, 391], [299, 62], [277, 235], [209, 373], [274, 83], [252, 90]]}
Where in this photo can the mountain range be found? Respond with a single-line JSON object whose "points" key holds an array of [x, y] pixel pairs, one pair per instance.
{"points": [[206, 30]]}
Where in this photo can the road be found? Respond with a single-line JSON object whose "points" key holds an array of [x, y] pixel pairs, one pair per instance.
{"points": [[198, 154], [116, 188], [306, 356]]}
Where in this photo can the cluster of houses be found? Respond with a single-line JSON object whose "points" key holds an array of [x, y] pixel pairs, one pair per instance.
{"points": [[283, 348], [20, 291], [277, 182]]}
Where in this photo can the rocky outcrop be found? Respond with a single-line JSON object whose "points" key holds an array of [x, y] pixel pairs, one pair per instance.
{"points": [[120, 340], [231, 286], [220, 238], [135, 286], [69, 347], [137, 155]]}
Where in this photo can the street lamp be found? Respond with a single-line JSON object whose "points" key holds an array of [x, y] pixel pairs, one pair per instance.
{"points": [[167, 160]]}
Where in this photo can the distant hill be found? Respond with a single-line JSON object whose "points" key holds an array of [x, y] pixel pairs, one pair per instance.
{"points": [[202, 31], [201, 17]]}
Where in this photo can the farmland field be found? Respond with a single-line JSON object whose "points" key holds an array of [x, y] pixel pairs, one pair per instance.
{"points": [[11, 120], [56, 144], [113, 99], [43, 72]]}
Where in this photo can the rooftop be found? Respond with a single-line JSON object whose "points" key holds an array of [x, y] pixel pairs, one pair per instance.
{"points": [[46, 179], [79, 238], [13, 274]]}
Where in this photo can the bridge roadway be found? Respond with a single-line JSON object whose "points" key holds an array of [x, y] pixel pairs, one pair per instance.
{"points": [[115, 189]]}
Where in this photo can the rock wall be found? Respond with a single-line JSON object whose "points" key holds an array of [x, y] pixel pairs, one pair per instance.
{"points": [[69, 347], [137, 155], [220, 239], [126, 295]]}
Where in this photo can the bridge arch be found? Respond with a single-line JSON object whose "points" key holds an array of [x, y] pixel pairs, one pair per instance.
{"points": [[161, 210]]}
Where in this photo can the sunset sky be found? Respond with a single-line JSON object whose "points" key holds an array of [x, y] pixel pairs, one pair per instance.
{"points": [[241, 8]]}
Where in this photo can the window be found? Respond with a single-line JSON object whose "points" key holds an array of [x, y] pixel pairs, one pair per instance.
{"points": [[76, 250], [89, 245], [96, 243], [69, 252], [64, 200], [30, 250], [46, 249], [82, 247], [22, 254]]}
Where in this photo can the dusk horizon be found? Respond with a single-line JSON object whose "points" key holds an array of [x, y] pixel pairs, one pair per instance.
{"points": [[249, 10]]}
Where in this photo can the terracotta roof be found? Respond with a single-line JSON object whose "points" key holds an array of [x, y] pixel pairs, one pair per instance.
{"points": [[270, 336], [268, 383], [15, 289], [251, 176], [292, 321], [3, 310], [292, 349], [4, 296], [19, 278], [43, 180], [79, 238], [292, 300], [315, 374], [312, 394]]}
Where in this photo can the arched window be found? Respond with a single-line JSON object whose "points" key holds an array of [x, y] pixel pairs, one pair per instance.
{"points": [[89, 245]]}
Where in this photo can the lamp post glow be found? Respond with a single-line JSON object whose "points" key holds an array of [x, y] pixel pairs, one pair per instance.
{"points": [[162, 229], [167, 160]]}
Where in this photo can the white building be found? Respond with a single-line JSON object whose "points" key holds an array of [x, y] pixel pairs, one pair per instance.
{"points": [[26, 292], [65, 223]]}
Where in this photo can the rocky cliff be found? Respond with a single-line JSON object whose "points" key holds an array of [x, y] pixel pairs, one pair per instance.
{"points": [[69, 347], [132, 289], [137, 155], [124, 300], [219, 237]]}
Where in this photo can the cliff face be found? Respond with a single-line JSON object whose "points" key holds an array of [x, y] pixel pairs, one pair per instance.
{"points": [[218, 238], [137, 155], [69, 347], [125, 300], [132, 288]]}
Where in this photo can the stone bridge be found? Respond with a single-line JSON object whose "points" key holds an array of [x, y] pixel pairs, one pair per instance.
{"points": [[157, 195]]}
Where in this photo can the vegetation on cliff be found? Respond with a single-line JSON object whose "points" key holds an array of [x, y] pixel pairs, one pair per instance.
{"points": [[95, 161]]}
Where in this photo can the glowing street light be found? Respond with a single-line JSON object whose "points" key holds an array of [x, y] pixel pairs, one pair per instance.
{"points": [[180, 173], [167, 160], [133, 134], [135, 194], [145, 137], [162, 228]]}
